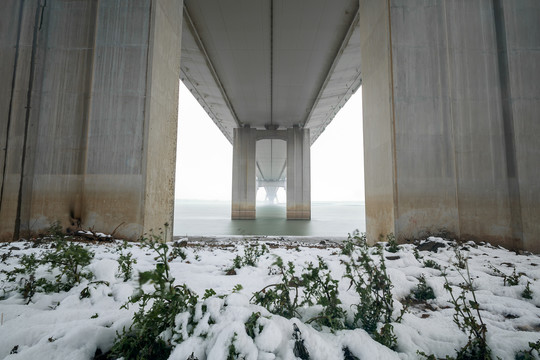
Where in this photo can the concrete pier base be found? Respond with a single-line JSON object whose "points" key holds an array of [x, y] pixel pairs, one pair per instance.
{"points": [[89, 98], [244, 185], [298, 174]]}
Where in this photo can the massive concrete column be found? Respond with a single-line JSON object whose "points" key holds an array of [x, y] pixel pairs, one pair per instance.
{"points": [[298, 174], [90, 93], [244, 185], [451, 102]]}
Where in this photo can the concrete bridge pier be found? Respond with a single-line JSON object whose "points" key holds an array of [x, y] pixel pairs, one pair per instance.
{"points": [[244, 185], [451, 104], [271, 194], [298, 174], [271, 188], [88, 110]]}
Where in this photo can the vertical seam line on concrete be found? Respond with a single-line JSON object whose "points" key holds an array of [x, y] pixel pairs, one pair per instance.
{"points": [[146, 111], [271, 62], [39, 9], [508, 120], [83, 160], [13, 79], [456, 175], [394, 151]]}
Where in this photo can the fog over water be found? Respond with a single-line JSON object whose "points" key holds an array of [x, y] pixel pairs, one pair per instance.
{"points": [[213, 218]]}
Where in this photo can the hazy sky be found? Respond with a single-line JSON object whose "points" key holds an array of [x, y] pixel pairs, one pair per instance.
{"points": [[204, 155]]}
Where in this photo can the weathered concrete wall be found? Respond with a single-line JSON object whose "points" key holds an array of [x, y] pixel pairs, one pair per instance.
{"points": [[16, 37], [520, 46], [445, 101], [298, 174], [101, 132]]}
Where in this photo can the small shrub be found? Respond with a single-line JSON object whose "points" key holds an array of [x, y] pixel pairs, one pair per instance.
{"points": [[69, 259], [299, 349], [391, 243], [373, 286], [281, 298], [208, 293], [423, 291], [432, 264], [253, 253], [56, 230], [154, 329], [508, 280], [461, 260], [464, 317], [353, 241], [512, 280], [233, 354], [417, 255], [320, 288], [85, 293], [251, 256], [237, 262], [125, 265], [527, 293], [251, 325], [531, 354], [5, 256], [177, 252], [25, 280]]}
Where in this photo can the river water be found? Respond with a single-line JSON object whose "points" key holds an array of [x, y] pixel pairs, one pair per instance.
{"points": [[211, 218]]}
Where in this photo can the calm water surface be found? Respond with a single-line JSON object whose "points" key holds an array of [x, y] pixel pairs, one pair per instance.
{"points": [[328, 219]]}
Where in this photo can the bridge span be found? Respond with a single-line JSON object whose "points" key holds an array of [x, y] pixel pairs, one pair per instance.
{"points": [[451, 102]]}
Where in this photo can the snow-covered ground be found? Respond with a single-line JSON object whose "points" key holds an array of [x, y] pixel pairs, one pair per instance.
{"points": [[64, 326]]}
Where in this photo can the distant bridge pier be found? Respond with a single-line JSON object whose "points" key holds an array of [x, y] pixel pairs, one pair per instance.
{"points": [[271, 194], [271, 188], [244, 182]]}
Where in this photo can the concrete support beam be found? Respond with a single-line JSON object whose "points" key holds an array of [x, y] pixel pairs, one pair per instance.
{"points": [[90, 93], [244, 186], [298, 174], [451, 100]]}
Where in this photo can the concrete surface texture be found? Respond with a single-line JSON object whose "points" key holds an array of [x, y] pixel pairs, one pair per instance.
{"points": [[451, 106], [89, 97]]}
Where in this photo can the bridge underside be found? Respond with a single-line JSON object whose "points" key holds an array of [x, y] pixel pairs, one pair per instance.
{"points": [[451, 99]]}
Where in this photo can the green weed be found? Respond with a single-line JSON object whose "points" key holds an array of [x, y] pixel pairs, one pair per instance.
{"points": [[281, 298], [423, 291], [527, 293], [373, 286], [157, 310], [469, 320]]}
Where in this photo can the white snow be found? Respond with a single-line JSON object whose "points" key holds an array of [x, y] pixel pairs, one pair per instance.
{"points": [[64, 326]]}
